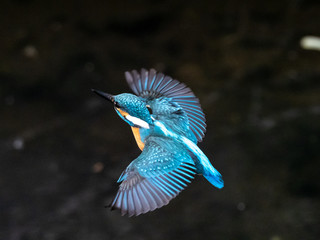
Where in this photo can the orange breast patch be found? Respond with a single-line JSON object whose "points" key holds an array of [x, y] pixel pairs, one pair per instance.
{"points": [[123, 113], [137, 137]]}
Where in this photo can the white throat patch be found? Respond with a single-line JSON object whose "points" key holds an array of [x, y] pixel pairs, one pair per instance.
{"points": [[137, 121]]}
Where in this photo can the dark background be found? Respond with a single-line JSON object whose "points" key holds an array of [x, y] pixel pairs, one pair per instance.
{"points": [[62, 148]]}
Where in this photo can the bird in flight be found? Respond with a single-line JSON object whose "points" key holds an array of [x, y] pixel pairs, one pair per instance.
{"points": [[167, 123]]}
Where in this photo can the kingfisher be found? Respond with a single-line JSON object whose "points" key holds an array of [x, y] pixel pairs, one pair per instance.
{"points": [[167, 122]]}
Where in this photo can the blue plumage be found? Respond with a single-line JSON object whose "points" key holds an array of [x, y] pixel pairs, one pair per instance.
{"points": [[167, 122], [151, 85]]}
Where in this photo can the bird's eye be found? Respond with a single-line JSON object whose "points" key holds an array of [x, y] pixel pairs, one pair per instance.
{"points": [[149, 109], [116, 104]]}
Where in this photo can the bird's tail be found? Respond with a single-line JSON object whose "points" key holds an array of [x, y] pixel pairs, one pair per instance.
{"points": [[215, 179], [209, 172]]}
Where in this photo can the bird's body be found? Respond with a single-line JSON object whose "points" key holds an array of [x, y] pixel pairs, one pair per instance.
{"points": [[167, 122], [171, 116]]}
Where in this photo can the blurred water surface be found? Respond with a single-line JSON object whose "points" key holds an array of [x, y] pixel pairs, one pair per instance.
{"points": [[62, 148]]}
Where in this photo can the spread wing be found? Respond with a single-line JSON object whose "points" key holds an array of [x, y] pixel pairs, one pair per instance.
{"points": [[150, 84], [158, 175]]}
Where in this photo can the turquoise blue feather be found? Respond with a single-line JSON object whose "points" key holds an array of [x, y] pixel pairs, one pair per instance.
{"points": [[158, 175], [170, 122], [151, 85]]}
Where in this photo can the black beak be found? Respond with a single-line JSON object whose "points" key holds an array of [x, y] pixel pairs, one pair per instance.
{"points": [[104, 95]]}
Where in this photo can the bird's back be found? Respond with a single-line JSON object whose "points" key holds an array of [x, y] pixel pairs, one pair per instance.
{"points": [[172, 116]]}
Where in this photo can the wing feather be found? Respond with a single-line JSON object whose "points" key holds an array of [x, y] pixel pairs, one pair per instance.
{"points": [[150, 84], [141, 192]]}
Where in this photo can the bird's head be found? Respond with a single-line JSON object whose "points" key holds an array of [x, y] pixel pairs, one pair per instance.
{"points": [[130, 108]]}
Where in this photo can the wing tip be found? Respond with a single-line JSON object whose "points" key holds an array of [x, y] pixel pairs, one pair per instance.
{"points": [[148, 195]]}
